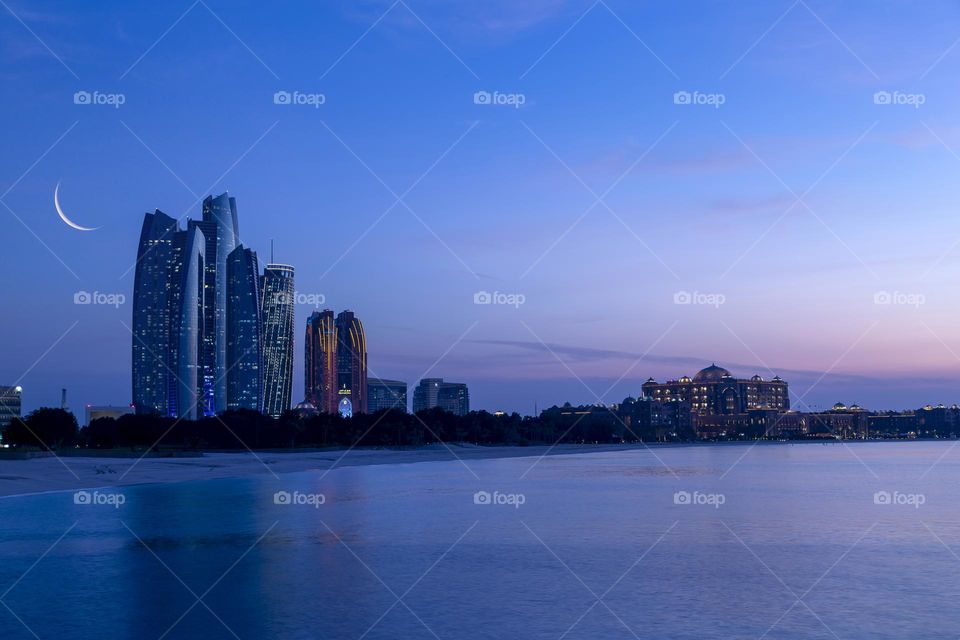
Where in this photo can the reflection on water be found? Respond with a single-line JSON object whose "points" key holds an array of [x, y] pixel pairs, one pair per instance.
{"points": [[608, 545]]}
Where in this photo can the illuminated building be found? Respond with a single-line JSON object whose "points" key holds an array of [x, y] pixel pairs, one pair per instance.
{"points": [[10, 405], [277, 301], [221, 233], [244, 325], [386, 394], [320, 361], [713, 391], [168, 318], [449, 396], [351, 358]]}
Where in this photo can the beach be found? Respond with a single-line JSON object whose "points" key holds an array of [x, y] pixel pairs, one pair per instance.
{"points": [[73, 472]]}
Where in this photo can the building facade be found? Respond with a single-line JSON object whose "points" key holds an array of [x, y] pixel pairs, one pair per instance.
{"points": [[351, 358], [221, 233], [714, 391], [168, 319], [94, 412], [10, 404], [652, 420], [277, 311], [435, 392], [320, 361], [244, 340], [386, 394]]}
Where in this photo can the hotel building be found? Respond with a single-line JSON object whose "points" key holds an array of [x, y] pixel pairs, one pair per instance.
{"points": [[714, 391]]}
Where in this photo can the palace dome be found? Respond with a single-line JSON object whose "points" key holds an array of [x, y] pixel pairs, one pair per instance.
{"points": [[713, 373]]}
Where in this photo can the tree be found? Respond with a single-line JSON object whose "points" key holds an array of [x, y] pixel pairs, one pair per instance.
{"points": [[45, 428]]}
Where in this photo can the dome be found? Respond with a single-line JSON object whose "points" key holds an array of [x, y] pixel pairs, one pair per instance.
{"points": [[757, 378], [306, 408], [713, 373]]}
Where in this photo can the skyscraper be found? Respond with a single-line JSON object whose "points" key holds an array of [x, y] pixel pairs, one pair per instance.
{"points": [[386, 394], [168, 318], [449, 396], [276, 308], [320, 361], [10, 400], [351, 364], [221, 232], [244, 341]]}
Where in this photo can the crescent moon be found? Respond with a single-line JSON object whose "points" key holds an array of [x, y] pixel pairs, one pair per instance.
{"points": [[63, 216]]}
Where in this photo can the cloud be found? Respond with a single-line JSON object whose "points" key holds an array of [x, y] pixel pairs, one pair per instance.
{"points": [[591, 354]]}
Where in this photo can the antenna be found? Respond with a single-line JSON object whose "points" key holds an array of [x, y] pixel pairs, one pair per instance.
{"points": [[271, 251]]}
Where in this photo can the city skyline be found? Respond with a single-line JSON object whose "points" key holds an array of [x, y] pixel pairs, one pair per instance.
{"points": [[761, 207]]}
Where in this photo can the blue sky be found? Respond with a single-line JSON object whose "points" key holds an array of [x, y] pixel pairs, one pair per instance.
{"points": [[694, 198]]}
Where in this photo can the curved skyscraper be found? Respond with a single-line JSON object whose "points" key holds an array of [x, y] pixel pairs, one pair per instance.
{"points": [[244, 326], [222, 233], [351, 364], [197, 324], [320, 361], [277, 302], [168, 318]]}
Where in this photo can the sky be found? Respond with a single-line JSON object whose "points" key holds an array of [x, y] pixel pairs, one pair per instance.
{"points": [[643, 188]]}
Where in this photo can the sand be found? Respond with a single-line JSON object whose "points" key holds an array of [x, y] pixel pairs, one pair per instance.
{"points": [[70, 473]]}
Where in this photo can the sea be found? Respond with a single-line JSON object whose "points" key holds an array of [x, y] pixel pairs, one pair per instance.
{"points": [[804, 540]]}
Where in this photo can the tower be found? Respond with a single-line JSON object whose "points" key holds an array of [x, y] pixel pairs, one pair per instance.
{"points": [[244, 340], [276, 308], [221, 233], [320, 361], [168, 318], [351, 360]]}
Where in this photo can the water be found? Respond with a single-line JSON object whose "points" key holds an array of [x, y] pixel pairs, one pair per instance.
{"points": [[598, 549]]}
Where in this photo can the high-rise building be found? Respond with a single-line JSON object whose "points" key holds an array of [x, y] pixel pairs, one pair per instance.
{"points": [[351, 364], [222, 234], [168, 318], [10, 405], [277, 306], [449, 396], [320, 361], [244, 341], [386, 394]]}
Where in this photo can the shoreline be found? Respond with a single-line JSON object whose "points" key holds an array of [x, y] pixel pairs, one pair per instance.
{"points": [[50, 474]]}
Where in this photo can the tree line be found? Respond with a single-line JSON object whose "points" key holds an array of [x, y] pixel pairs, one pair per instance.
{"points": [[53, 429]]}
